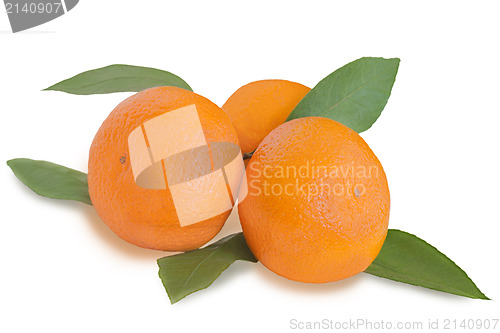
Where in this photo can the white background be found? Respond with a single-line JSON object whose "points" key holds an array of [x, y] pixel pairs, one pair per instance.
{"points": [[63, 270]]}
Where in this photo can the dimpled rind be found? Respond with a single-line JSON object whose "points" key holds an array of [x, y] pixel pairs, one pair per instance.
{"points": [[259, 107], [147, 217], [314, 238]]}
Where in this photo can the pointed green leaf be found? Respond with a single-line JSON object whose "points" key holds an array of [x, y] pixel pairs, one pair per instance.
{"points": [[406, 258], [118, 78], [186, 273], [51, 180], [353, 95]]}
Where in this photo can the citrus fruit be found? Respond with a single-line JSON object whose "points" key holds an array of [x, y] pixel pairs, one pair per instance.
{"points": [[259, 107], [159, 168], [317, 207]]}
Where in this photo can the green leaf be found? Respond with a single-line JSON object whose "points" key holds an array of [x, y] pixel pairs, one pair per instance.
{"points": [[118, 78], [353, 95], [186, 273], [51, 180], [403, 258], [406, 258]]}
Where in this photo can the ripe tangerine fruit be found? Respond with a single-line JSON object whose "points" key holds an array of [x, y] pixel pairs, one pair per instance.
{"points": [[317, 208], [259, 107], [143, 216]]}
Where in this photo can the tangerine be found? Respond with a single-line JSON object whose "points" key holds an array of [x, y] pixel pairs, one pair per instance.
{"points": [[317, 207], [150, 161], [259, 107]]}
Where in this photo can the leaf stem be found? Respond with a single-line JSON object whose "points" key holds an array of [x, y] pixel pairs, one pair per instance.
{"points": [[247, 156]]}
